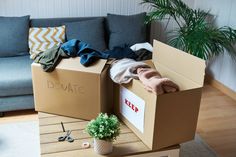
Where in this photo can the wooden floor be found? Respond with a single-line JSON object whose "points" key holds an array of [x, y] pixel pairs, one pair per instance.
{"points": [[216, 125], [217, 121]]}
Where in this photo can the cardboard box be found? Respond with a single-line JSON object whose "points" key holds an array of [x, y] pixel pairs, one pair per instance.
{"points": [[168, 119], [73, 90]]}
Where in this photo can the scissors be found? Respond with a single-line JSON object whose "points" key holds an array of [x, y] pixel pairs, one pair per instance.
{"points": [[66, 137]]}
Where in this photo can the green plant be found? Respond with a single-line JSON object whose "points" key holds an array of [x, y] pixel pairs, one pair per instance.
{"points": [[194, 34], [104, 127]]}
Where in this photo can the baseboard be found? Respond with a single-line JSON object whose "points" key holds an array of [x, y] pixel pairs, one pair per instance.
{"points": [[226, 90]]}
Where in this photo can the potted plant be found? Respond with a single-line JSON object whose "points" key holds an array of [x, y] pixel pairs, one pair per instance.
{"points": [[195, 34], [104, 129]]}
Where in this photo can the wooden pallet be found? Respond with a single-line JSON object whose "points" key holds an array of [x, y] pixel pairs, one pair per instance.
{"points": [[127, 144]]}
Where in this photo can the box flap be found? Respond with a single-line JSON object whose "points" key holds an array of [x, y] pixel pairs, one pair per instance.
{"points": [[75, 65], [179, 62]]}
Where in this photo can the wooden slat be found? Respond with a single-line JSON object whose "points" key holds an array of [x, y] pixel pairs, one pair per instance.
{"points": [[119, 150], [57, 120], [77, 144], [57, 127], [68, 126], [45, 115], [77, 134]]}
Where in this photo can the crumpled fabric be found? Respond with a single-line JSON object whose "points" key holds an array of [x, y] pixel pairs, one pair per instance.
{"points": [[124, 70], [50, 58], [74, 48], [121, 52], [143, 51]]}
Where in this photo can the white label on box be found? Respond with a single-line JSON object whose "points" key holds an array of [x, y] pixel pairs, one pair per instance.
{"points": [[132, 108]]}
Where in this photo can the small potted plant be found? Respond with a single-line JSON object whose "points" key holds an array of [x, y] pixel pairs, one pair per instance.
{"points": [[104, 129]]}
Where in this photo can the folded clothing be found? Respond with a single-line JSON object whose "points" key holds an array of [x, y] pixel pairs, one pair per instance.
{"points": [[153, 81], [124, 70]]}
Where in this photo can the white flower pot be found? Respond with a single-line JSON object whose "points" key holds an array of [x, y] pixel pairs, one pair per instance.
{"points": [[102, 147]]}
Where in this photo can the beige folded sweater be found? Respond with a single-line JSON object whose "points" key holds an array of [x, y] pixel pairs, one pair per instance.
{"points": [[153, 81], [124, 70]]}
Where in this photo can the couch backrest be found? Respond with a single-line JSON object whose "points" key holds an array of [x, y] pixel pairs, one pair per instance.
{"points": [[53, 22]]}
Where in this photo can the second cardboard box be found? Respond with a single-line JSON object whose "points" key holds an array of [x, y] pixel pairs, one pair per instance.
{"points": [[167, 119]]}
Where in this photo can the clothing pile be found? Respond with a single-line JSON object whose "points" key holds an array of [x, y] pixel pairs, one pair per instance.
{"points": [[124, 70], [50, 58], [126, 67]]}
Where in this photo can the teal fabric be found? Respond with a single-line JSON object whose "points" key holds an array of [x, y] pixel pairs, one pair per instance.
{"points": [[126, 30], [14, 32], [89, 31], [16, 103], [16, 76]]}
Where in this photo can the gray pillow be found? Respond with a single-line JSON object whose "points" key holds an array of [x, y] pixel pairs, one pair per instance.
{"points": [[126, 30], [89, 31], [14, 36]]}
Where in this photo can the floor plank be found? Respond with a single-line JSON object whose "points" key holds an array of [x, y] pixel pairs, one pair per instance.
{"points": [[19, 116], [217, 121]]}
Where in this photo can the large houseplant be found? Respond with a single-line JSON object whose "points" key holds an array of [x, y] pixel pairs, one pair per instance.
{"points": [[194, 34], [104, 129]]}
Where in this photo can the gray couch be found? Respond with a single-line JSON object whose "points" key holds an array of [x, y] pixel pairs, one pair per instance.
{"points": [[16, 91]]}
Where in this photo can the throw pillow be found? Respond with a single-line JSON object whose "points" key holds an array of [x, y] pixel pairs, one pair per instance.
{"points": [[89, 31], [14, 36], [42, 39], [126, 30]]}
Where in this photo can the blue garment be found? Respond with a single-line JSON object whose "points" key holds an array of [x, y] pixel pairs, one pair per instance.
{"points": [[121, 52], [74, 48]]}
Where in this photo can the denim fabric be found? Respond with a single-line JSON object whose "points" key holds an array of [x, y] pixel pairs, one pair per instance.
{"points": [[74, 48]]}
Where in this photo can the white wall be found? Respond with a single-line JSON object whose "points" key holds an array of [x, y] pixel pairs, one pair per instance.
{"points": [[68, 8], [222, 68]]}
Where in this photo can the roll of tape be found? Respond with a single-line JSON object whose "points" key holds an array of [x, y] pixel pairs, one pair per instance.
{"points": [[85, 145]]}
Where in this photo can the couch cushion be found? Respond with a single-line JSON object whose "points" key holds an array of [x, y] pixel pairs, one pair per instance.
{"points": [[16, 76], [89, 31], [14, 36], [126, 30]]}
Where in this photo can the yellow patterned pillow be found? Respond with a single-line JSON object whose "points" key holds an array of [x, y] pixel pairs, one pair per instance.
{"points": [[41, 39]]}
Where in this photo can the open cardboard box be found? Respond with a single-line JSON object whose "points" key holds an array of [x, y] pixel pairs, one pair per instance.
{"points": [[168, 119], [73, 90]]}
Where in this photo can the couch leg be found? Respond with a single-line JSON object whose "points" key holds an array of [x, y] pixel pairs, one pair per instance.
{"points": [[1, 114]]}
